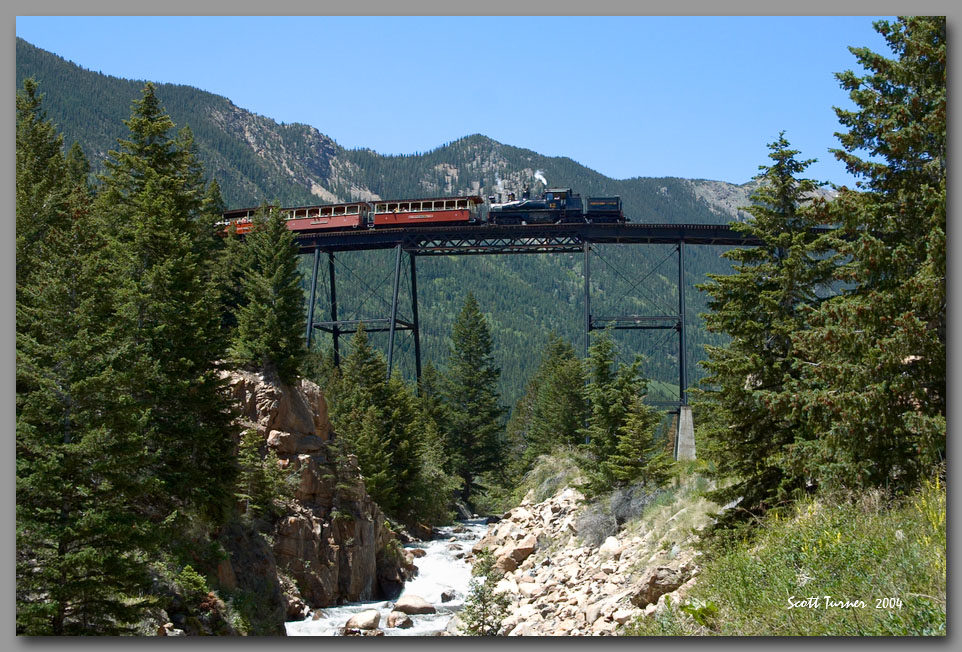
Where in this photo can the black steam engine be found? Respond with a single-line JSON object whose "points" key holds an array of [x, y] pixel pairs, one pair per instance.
{"points": [[556, 206]]}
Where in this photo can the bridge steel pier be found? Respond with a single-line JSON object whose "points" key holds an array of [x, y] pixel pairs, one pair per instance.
{"points": [[312, 301], [393, 328], [390, 324], [645, 322], [334, 331], [684, 440], [414, 317]]}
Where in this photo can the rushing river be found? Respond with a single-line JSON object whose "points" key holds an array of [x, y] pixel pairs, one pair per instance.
{"points": [[439, 570]]}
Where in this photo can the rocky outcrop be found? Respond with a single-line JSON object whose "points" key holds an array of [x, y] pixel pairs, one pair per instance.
{"points": [[284, 415], [334, 542], [562, 587]]}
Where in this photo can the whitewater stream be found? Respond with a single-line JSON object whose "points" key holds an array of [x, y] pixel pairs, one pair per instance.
{"points": [[439, 570]]}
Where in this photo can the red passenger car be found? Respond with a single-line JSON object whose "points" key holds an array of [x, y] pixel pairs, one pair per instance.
{"points": [[332, 216], [241, 218], [378, 214], [414, 212]]}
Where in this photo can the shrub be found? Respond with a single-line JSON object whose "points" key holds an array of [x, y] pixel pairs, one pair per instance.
{"points": [[595, 523], [192, 585], [629, 503]]}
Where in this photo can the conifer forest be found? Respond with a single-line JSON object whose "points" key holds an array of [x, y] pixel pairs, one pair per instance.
{"points": [[817, 373]]}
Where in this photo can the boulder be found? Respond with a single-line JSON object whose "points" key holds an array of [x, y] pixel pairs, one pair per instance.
{"points": [[448, 596], [454, 625], [367, 619], [297, 609], [520, 515], [593, 612], [361, 632], [622, 616], [506, 585], [524, 548], [414, 604], [530, 589], [656, 583], [506, 564], [399, 620], [610, 547]]}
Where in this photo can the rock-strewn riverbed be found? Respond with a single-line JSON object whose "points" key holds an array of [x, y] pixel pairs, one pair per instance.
{"points": [[427, 603]]}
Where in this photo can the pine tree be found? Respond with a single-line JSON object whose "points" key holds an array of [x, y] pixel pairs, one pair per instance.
{"points": [[552, 412], [160, 244], [269, 333], [395, 440], [611, 392], [559, 410], [233, 266], [472, 439], [261, 482], [374, 455], [874, 357], [639, 457], [749, 396], [484, 609], [360, 383], [431, 397], [83, 467], [40, 187]]}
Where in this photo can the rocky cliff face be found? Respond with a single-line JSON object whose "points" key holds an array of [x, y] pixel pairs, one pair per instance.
{"points": [[334, 544], [562, 587]]}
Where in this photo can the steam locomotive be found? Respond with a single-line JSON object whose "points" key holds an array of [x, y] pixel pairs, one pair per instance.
{"points": [[556, 206]]}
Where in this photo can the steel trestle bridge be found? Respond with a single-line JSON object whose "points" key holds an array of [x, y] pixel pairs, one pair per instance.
{"points": [[498, 240]]}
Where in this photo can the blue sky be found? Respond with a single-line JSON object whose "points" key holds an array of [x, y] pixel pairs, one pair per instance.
{"points": [[695, 97]]}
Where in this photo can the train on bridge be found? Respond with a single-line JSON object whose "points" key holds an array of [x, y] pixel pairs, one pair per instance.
{"points": [[555, 206]]}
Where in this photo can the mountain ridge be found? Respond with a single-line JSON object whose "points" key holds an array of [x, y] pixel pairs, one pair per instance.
{"points": [[255, 159], [298, 163]]}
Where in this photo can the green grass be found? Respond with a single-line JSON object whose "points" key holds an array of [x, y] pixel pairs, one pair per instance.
{"points": [[862, 551]]}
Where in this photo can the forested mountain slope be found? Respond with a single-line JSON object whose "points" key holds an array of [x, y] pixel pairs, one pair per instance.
{"points": [[255, 159]]}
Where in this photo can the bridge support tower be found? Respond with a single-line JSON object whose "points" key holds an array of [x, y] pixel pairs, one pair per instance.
{"points": [[390, 324], [684, 437]]}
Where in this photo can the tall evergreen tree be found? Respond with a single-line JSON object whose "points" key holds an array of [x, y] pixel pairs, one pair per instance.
{"points": [[358, 399], [749, 399], [638, 456], [559, 410], [552, 411], [83, 466], [393, 435], [874, 357], [160, 243], [270, 322], [612, 393], [473, 437], [40, 185]]}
